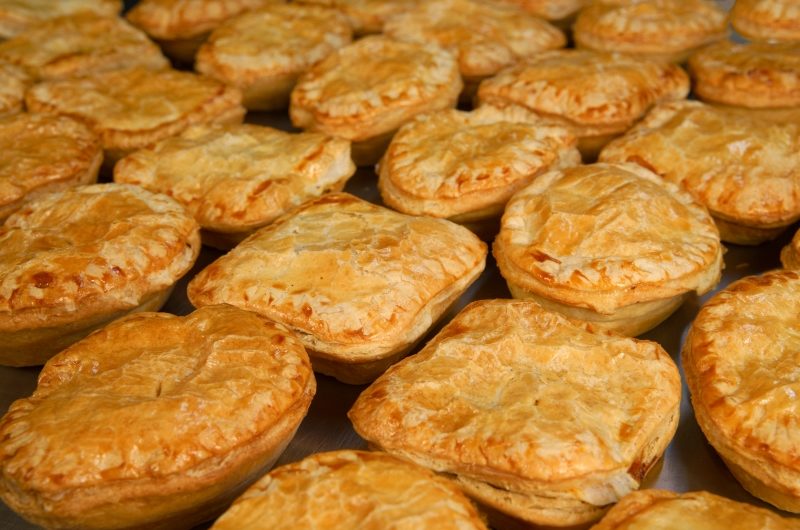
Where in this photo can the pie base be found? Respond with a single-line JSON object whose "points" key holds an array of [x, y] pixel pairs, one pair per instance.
{"points": [[740, 234], [182, 50]]}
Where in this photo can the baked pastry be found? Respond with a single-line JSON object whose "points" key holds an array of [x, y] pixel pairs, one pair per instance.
{"points": [[485, 37], [367, 16], [41, 154], [538, 417], [181, 26], [697, 510], [757, 74], [598, 95], [265, 65], [155, 421], [774, 20], [79, 45], [790, 254], [237, 178], [72, 261], [359, 284], [464, 166], [14, 81], [559, 12], [131, 109], [740, 359], [17, 16], [744, 169], [365, 91], [666, 30], [613, 244], [351, 490]]}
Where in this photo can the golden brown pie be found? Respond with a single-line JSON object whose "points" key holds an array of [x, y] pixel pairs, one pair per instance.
{"points": [[72, 261], [558, 12], [537, 416], [485, 37], [181, 26], [696, 510], [351, 490], [740, 360], [598, 95], [365, 91], [464, 166], [237, 178], [17, 16], [359, 284], [14, 82], [265, 65], [772, 20], [155, 421], [790, 254], [41, 154], [757, 74], [613, 244], [131, 109], [79, 45], [667, 30], [743, 168], [367, 16]]}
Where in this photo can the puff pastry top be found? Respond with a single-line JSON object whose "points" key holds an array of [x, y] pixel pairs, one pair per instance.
{"points": [[696, 510], [79, 45], [650, 26], [449, 163], [182, 19], [367, 16], [485, 37], [742, 168], [526, 400], [238, 177], [132, 108], [241, 51], [346, 275], [14, 81], [17, 16], [767, 19], [373, 86], [351, 490], [40, 151], [95, 248], [605, 236], [547, 9], [595, 92], [740, 359], [757, 74], [150, 397]]}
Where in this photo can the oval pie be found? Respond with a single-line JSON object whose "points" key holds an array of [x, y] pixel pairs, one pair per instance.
{"points": [[17, 16], [768, 20]]}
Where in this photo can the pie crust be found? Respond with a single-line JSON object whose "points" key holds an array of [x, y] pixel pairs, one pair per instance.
{"points": [[790, 254], [772, 20], [14, 82], [367, 16], [536, 416], [744, 169], [351, 490], [614, 244], [155, 421], [236, 178], [40, 154], [359, 284], [365, 91], [72, 261], [741, 369], [265, 65], [556, 11], [17, 16]]}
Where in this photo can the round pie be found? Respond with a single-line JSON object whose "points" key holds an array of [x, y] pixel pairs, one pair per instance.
{"points": [[598, 95], [79, 45], [767, 19], [367, 16], [14, 82], [740, 360], [265, 65], [351, 490], [758, 74], [41, 154], [537, 416], [666, 30], [134, 108], [155, 421], [365, 91], [743, 168], [464, 166], [613, 244], [72, 261], [235, 179], [17, 16]]}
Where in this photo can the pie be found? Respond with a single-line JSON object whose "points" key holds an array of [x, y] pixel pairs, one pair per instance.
{"points": [[17, 16], [767, 20]]}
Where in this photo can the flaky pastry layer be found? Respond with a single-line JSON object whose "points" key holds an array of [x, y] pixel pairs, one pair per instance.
{"points": [[767, 20], [14, 82], [17, 16]]}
